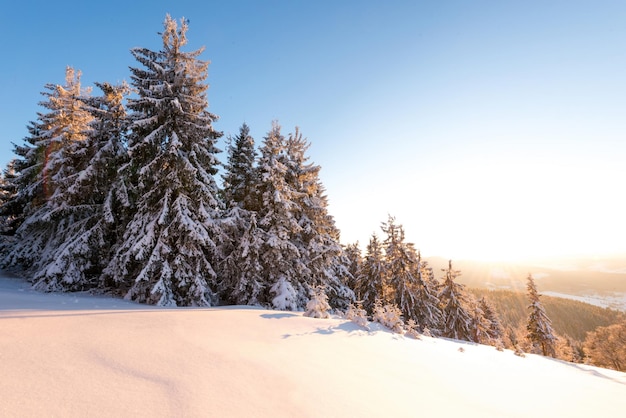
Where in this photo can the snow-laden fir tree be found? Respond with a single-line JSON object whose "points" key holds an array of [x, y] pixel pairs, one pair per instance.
{"points": [[401, 268], [240, 179], [357, 314], [242, 282], [478, 322], [456, 320], [388, 315], [90, 199], [283, 288], [23, 186], [371, 281], [321, 261], [427, 313], [353, 255], [169, 250], [50, 168], [539, 326], [301, 243], [495, 332], [8, 191], [410, 291], [317, 306]]}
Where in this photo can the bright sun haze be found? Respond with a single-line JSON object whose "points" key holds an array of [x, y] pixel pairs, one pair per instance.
{"points": [[490, 130]]}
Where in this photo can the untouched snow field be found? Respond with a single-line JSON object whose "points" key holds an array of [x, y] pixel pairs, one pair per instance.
{"points": [[79, 355]]}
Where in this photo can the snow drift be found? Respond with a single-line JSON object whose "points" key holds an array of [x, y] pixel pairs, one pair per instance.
{"points": [[79, 355]]}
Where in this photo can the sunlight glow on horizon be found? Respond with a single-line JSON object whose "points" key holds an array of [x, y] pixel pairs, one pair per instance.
{"points": [[502, 210]]}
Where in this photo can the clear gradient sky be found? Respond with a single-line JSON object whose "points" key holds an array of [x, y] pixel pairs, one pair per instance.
{"points": [[490, 129]]}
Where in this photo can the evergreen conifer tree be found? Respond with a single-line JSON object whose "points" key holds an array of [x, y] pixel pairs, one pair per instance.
{"points": [[456, 320], [169, 250], [412, 293], [539, 327], [8, 191], [495, 332], [479, 324], [77, 262], [355, 264], [371, 282], [318, 306], [283, 288], [401, 267], [23, 186], [241, 281], [240, 180], [427, 313], [48, 171], [321, 261]]}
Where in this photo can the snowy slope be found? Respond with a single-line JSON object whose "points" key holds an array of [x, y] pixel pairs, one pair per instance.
{"points": [[77, 355]]}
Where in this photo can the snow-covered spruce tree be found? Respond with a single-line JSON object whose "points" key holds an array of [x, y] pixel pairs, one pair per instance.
{"points": [[495, 332], [539, 327], [241, 280], [357, 314], [388, 315], [8, 191], [427, 313], [170, 245], [49, 169], [456, 320], [415, 296], [479, 324], [317, 306], [23, 180], [371, 282], [90, 199], [240, 180], [321, 261], [400, 267], [282, 287], [352, 253]]}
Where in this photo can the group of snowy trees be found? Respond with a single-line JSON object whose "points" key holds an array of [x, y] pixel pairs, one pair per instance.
{"points": [[118, 192], [393, 276], [392, 272]]}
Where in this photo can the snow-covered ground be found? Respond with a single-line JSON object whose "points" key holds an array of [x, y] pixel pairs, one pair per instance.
{"points": [[78, 355]]}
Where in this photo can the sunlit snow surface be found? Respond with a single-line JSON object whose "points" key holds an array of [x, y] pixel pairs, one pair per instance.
{"points": [[79, 355]]}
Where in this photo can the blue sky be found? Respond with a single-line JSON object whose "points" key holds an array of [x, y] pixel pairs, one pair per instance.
{"points": [[491, 130]]}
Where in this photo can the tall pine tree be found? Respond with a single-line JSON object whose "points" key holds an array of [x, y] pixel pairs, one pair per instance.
{"points": [[283, 290], [321, 261], [240, 180], [23, 186], [241, 281], [49, 170], [355, 264], [401, 267], [371, 283], [456, 320], [539, 327], [84, 248], [427, 313], [169, 250]]}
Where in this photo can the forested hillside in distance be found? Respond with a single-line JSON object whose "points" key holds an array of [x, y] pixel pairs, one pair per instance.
{"points": [[569, 317], [575, 279]]}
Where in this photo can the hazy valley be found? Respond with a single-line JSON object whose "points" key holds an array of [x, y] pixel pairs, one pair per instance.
{"points": [[597, 281]]}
